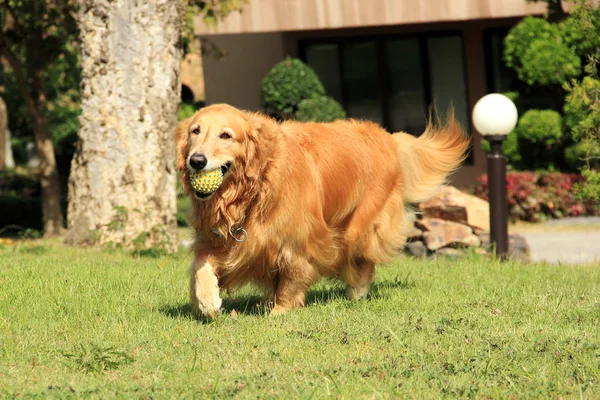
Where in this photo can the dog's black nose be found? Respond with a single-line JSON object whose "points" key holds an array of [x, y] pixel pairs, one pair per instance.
{"points": [[198, 161]]}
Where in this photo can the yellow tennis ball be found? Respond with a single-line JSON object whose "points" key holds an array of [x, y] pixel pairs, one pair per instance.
{"points": [[206, 181]]}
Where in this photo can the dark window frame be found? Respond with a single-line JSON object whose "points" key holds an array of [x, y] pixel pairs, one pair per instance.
{"points": [[488, 33], [383, 75]]}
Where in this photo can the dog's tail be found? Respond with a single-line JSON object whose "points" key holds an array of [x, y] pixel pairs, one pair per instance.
{"points": [[428, 160]]}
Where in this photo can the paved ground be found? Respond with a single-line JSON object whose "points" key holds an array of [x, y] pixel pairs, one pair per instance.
{"points": [[565, 241], [576, 247]]}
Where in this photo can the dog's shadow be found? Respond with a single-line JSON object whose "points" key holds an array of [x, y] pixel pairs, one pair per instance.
{"points": [[256, 306]]}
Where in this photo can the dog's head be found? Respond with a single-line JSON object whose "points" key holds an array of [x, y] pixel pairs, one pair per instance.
{"points": [[218, 136]]}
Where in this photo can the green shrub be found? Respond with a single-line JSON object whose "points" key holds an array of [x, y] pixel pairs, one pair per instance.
{"points": [[287, 84], [510, 149], [548, 63], [577, 154], [186, 110], [520, 37], [581, 38], [320, 109], [540, 126], [590, 189], [535, 49], [582, 108]]}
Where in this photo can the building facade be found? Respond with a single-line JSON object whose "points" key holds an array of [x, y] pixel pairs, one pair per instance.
{"points": [[390, 61]]}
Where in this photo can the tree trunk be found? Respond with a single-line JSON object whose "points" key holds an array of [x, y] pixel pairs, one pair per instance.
{"points": [[3, 133], [122, 182], [49, 178]]}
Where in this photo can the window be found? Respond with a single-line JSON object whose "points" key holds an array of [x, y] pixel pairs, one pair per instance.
{"points": [[393, 81], [500, 78]]}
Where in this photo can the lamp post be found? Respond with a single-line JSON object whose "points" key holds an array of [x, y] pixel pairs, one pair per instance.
{"points": [[494, 117]]}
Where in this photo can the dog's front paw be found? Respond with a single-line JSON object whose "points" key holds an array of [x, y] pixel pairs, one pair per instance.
{"points": [[207, 308], [204, 292]]}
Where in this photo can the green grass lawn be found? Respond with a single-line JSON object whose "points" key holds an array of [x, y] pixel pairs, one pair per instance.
{"points": [[95, 324]]}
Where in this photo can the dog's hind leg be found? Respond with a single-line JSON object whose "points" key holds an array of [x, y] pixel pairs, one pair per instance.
{"points": [[204, 288], [362, 279]]}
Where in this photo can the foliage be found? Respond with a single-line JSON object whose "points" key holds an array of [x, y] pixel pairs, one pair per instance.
{"points": [[582, 107], [287, 84], [186, 110], [320, 109], [213, 11], [510, 149], [534, 197], [487, 329], [534, 141], [540, 126], [548, 62], [580, 37], [590, 190], [522, 37], [577, 155], [546, 53], [97, 359], [61, 73]]}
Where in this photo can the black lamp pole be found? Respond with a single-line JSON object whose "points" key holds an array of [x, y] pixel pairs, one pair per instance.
{"points": [[497, 196]]}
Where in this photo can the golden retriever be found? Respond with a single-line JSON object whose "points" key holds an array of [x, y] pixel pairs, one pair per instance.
{"points": [[301, 201]]}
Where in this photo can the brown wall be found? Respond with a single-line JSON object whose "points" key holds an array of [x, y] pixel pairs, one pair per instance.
{"points": [[236, 79]]}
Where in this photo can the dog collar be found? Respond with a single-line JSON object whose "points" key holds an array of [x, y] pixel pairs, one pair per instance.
{"points": [[239, 234]]}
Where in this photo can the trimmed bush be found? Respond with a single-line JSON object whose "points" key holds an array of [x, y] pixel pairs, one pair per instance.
{"points": [[287, 84], [320, 109], [548, 63], [510, 149], [540, 126], [520, 37], [535, 49]]}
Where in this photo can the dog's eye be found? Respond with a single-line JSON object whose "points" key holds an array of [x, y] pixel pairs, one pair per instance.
{"points": [[196, 130], [225, 135]]}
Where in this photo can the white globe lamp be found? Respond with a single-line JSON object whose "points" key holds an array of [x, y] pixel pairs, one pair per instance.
{"points": [[494, 117]]}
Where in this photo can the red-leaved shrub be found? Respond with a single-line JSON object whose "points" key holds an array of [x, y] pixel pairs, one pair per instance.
{"points": [[536, 196]]}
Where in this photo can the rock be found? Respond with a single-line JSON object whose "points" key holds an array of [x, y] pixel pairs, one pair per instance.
{"points": [[439, 233], [518, 248], [414, 234], [478, 231], [451, 204], [429, 224], [416, 249], [481, 251], [451, 253]]}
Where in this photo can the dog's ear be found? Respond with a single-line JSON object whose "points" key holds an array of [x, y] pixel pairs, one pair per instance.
{"points": [[182, 138], [251, 144]]}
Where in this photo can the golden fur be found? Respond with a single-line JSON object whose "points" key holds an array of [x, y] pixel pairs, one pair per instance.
{"points": [[316, 199]]}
